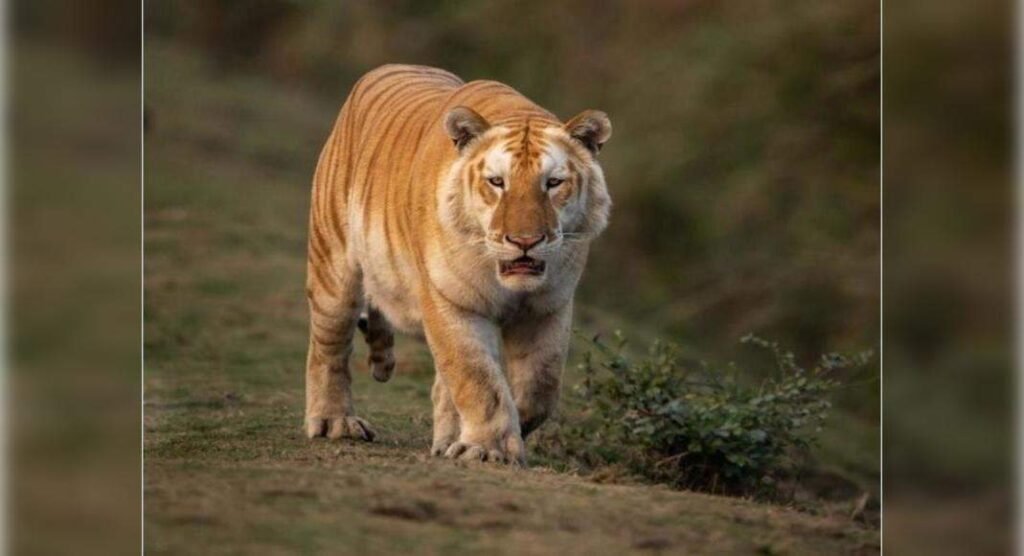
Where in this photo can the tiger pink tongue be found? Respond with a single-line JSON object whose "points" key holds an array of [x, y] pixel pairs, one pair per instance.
{"points": [[522, 265]]}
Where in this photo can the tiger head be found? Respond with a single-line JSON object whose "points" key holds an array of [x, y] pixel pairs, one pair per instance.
{"points": [[527, 189]]}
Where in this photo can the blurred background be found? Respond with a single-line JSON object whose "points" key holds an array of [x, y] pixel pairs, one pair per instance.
{"points": [[73, 280], [744, 165], [949, 277]]}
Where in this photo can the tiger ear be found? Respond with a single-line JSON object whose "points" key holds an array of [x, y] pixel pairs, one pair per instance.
{"points": [[463, 125], [590, 127]]}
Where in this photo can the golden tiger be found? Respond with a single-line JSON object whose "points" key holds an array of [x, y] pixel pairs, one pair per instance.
{"points": [[465, 212]]}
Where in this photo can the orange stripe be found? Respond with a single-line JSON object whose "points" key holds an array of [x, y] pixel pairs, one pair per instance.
{"points": [[386, 140]]}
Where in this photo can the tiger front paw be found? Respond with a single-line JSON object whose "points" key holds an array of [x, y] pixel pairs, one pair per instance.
{"points": [[336, 427]]}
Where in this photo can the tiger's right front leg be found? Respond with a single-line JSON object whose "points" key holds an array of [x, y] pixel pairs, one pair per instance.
{"points": [[465, 350], [335, 299]]}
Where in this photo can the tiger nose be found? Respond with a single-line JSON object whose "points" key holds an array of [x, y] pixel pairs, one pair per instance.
{"points": [[525, 242]]}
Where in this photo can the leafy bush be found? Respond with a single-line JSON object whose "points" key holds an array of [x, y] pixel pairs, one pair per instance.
{"points": [[699, 428]]}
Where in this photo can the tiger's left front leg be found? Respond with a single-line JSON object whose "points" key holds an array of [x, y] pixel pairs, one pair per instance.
{"points": [[535, 352], [466, 353]]}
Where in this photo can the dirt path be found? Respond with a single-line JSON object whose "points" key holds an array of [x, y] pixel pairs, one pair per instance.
{"points": [[231, 473]]}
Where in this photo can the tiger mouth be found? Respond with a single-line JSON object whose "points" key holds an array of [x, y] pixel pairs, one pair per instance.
{"points": [[522, 266]]}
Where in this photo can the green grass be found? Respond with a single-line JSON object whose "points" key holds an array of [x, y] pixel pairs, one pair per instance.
{"points": [[227, 469]]}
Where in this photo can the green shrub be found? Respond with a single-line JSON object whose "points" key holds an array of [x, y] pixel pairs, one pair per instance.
{"points": [[699, 428]]}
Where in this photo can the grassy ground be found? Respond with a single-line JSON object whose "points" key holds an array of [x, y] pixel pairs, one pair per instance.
{"points": [[227, 469]]}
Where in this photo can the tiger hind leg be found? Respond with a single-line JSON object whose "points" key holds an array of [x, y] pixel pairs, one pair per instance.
{"points": [[381, 339]]}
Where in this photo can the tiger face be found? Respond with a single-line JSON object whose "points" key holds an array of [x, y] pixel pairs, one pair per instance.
{"points": [[527, 189]]}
